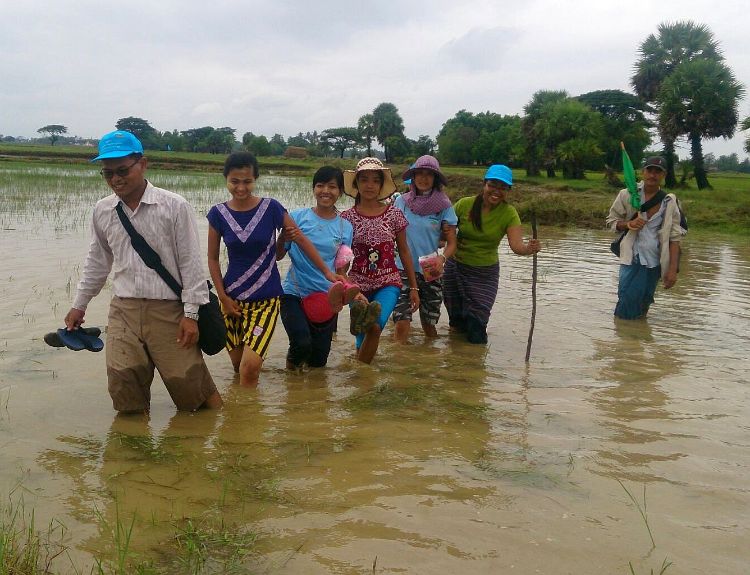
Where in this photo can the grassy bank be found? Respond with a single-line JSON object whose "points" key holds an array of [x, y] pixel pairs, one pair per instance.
{"points": [[556, 202]]}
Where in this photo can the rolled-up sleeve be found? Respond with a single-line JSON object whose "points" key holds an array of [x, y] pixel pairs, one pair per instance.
{"points": [[97, 265], [618, 210], [189, 261], [676, 231]]}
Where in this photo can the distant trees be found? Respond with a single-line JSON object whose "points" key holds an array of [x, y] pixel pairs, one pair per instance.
{"points": [[388, 128], [683, 88], [53, 131], [340, 139], [571, 133], [536, 151], [258, 145], [624, 120], [675, 50], [209, 139], [422, 146], [700, 100], [366, 130], [141, 129], [483, 138], [559, 131]]}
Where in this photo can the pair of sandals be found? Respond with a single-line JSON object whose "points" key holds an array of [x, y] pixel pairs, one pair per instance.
{"points": [[363, 316], [340, 294], [77, 339]]}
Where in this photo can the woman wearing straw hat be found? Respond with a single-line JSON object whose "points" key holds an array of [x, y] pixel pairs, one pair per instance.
{"points": [[472, 275], [430, 214], [376, 227]]}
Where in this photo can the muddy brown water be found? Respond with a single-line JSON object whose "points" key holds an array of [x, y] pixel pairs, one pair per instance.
{"points": [[441, 457]]}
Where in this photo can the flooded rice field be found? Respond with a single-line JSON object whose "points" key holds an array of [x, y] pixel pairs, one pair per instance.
{"points": [[622, 447]]}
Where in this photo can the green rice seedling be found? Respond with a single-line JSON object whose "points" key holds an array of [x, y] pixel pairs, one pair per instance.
{"points": [[204, 545], [124, 560], [24, 550], [643, 510], [666, 564], [430, 399], [147, 447]]}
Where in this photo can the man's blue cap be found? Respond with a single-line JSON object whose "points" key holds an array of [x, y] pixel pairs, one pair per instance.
{"points": [[499, 172], [118, 144]]}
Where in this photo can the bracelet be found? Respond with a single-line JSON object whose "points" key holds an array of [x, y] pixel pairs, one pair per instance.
{"points": [[191, 315], [415, 289]]}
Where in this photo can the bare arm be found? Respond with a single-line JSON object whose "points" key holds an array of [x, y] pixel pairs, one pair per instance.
{"points": [[229, 306], [280, 247], [515, 240], [670, 278], [450, 241], [405, 255]]}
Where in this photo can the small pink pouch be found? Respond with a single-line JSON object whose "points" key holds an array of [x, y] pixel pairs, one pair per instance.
{"points": [[344, 256]]}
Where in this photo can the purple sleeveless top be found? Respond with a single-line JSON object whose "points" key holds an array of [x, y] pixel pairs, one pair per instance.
{"points": [[250, 238]]}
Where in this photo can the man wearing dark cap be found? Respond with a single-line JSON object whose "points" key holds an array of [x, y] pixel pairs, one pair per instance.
{"points": [[651, 247], [149, 326]]}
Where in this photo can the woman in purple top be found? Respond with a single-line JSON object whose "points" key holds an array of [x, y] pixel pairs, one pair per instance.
{"points": [[250, 289]]}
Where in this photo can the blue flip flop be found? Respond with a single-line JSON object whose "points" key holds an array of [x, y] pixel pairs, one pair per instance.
{"points": [[53, 339], [91, 342], [77, 340]]}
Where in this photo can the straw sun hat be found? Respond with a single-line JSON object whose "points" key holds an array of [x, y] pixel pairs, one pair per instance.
{"points": [[389, 186]]}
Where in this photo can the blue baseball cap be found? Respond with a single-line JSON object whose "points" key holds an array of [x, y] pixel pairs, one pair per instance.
{"points": [[499, 172], [118, 144]]}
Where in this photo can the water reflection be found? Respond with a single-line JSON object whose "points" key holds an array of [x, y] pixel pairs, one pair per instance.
{"points": [[632, 366]]}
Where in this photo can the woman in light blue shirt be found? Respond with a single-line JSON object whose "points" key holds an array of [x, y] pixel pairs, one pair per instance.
{"points": [[430, 215], [310, 341]]}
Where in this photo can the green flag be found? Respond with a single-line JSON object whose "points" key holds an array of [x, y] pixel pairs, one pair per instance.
{"points": [[628, 174]]}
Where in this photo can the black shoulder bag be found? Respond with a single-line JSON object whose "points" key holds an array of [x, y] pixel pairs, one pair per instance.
{"points": [[614, 247], [212, 332]]}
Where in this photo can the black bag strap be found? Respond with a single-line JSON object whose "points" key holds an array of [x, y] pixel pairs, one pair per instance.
{"points": [[147, 253], [646, 206]]}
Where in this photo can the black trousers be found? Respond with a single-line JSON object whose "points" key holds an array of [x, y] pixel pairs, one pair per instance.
{"points": [[309, 343]]}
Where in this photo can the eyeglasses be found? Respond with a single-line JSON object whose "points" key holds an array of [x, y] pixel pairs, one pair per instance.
{"points": [[496, 185], [120, 172]]}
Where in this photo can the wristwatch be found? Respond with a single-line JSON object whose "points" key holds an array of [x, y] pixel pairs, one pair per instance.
{"points": [[191, 315]]}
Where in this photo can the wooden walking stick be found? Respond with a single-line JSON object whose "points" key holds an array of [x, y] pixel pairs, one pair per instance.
{"points": [[533, 291]]}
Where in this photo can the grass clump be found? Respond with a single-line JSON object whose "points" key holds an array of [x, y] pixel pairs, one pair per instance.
{"points": [[427, 399], [204, 547], [24, 549]]}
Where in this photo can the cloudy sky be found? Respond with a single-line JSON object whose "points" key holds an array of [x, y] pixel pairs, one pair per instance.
{"points": [[278, 66]]}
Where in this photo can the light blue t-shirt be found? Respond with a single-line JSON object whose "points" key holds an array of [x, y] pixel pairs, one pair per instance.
{"points": [[303, 278], [423, 233]]}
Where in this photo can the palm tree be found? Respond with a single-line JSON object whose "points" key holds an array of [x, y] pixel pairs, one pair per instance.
{"points": [[659, 57], [700, 99], [366, 131], [746, 126], [387, 123], [536, 151]]}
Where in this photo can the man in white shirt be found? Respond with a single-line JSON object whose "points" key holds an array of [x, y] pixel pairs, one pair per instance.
{"points": [[149, 326]]}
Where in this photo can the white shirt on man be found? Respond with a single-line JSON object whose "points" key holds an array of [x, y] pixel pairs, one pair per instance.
{"points": [[167, 222]]}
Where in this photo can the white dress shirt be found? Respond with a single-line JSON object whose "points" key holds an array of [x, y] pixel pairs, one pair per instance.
{"points": [[167, 222]]}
